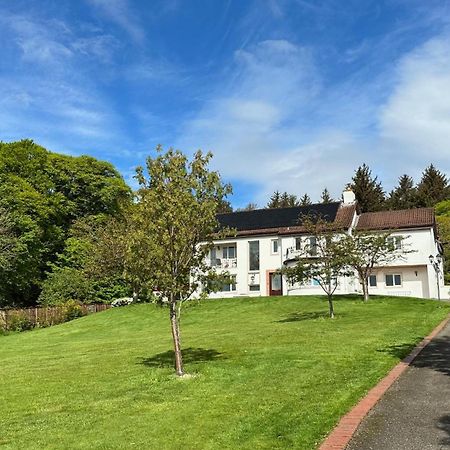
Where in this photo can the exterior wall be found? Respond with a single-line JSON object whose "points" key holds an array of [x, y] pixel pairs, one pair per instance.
{"points": [[418, 275], [415, 281], [268, 262]]}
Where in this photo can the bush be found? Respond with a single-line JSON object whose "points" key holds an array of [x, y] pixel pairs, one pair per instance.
{"points": [[73, 310], [122, 302], [18, 321], [66, 284]]}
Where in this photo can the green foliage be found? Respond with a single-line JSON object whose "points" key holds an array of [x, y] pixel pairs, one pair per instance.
{"points": [[368, 191], [282, 200], [433, 187], [305, 200], [365, 250], [176, 213], [325, 197], [173, 230], [66, 284], [444, 235], [404, 196], [73, 310], [44, 194], [443, 208], [19, 321], [324, 261]]}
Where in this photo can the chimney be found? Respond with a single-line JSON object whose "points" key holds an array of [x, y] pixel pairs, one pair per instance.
{"points": [[348, 196]]}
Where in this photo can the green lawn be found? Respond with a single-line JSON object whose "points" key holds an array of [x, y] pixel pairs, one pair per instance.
{"points": [[268, 373]]}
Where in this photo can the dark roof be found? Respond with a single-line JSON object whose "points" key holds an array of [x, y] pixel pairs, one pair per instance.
{"points": [[276, 219], [405, 218]]}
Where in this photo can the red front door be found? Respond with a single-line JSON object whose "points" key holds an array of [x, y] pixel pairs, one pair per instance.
{"points": [[275, 284]]}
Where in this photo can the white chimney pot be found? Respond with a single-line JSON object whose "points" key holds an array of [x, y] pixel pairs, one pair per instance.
{"points": [[348, 196]]}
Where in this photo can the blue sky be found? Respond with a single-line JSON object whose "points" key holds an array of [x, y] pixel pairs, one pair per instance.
{"points": [[288, 94]]}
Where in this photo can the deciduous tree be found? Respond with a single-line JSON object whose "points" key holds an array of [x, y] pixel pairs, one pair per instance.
{"points": [[365, 250], [324, 260], [176, 211]]}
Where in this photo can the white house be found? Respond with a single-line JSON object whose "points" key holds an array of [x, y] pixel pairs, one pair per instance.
{"points": [[267, 239]]}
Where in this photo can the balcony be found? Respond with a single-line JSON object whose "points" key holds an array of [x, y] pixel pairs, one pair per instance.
{"points": [[292, 253], [224, 263]]}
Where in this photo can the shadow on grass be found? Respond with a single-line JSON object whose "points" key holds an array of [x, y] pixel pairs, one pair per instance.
{"points": [[298, 317], [435, 356], [400, 351], [190, 356]]}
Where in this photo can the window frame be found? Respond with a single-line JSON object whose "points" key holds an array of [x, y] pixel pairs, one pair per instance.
{"points": [[231, 286], [393, 275], [258, 256], [227, 248], [272, 250]]}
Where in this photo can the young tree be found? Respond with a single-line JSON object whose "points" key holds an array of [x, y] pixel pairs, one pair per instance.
{"points": [[368, 192], [323, 260], [305, 200], [365, 250], [325, 197], [404, 196], [433, 187], [177, 204]]}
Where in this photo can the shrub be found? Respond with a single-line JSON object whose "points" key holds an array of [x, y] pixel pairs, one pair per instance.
{"points": [[121, 302], [73, 310], [18, 321], [66, 284]]}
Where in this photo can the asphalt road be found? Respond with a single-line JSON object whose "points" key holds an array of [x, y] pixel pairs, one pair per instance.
{"points": [[414, 414]]}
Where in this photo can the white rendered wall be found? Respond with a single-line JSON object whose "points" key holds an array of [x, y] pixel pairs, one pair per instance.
{"points": [[423, 284]]}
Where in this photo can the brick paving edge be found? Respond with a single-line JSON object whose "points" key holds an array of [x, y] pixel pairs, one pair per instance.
{"points": [[341, 435]]}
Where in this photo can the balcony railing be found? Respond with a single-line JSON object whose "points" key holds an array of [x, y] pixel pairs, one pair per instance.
{"points": [[224, 263], [293, 253]]}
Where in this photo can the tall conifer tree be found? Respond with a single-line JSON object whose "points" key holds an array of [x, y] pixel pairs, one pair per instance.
{"points": [[368, 191]]}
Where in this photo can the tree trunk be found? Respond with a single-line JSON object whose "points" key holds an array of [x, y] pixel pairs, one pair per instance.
{"points": [[365, 286], [176, 338], [330, 305]]}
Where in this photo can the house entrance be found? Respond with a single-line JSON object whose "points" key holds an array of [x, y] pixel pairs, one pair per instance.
{"points": [[275, 284]]}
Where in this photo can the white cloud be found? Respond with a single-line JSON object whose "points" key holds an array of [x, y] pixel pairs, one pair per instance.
{"points": [[119, 12], [259, 129], [415, 121]]}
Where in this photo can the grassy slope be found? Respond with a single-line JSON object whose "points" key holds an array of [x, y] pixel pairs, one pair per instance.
{"points": [[271, 373]]}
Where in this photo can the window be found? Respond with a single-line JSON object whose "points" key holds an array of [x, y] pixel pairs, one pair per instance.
{"points": [[274, 246], [315, 282], [373, 280], [214, 261], [228, 287], [313, 246], [229, 252], [395, 241], [298, 243], [393, 279], [254, 287], [253, 255]]}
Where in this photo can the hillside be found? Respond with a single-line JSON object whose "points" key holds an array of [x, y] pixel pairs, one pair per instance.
{"points": [[267, 373]]}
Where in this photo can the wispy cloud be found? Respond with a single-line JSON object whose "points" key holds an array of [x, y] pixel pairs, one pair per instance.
{"points": [[120, 13]]}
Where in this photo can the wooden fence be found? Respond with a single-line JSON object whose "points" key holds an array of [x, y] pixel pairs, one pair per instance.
{"points": [[27, 318]]}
